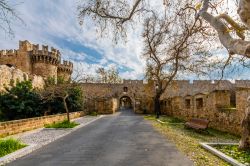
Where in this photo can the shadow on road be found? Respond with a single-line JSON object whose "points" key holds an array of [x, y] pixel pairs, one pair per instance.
{"points": [[127, 112]]}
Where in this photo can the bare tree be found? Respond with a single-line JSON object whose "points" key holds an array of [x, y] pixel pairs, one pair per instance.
{"points": [[221, 24], [61, 91], [234, 44], [112, 15], [244, 142], [169, 52], [7, 15], [110, 76], [81, 76], [102, 75], [117, 16]]}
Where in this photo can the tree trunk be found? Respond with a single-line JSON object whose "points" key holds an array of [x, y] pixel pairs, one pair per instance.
{"points": [[66, 107], [157, 106], [46, 113], [245, 137]]}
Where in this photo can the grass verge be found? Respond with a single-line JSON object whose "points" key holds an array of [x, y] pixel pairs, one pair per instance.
{"points": [[233, 151], [63, 124], [93, 113], [9, 145], [187, 140]]}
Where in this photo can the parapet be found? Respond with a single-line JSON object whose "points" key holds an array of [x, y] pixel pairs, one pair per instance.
{"points": [[132, 81], [52, 56], [242, 83], [25, 45], [8, 52], [66, 66]]}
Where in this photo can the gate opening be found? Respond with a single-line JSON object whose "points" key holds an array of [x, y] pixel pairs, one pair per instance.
{"points": [[125, 102]]}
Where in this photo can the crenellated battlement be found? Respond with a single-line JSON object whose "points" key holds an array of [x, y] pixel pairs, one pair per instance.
{"points": [[132, 81], [45, 50], [66, 66], [34, 59], [10, 52], [52, 56]]}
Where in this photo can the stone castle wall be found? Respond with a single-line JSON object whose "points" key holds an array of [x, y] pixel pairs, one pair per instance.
{"points": [[221, 102], [9, 76], [46, 71], [106, 97], [33, 60]]}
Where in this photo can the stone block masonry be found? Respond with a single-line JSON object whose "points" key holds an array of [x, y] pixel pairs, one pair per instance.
{"points": [[30, 59], [9, 76], [22, 125]]}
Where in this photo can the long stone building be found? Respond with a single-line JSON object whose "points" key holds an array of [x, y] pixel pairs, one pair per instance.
{"points": [[222, 102], [35, 61]]}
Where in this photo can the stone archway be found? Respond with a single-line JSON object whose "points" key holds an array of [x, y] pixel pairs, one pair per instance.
{"points": [[125, 102]]}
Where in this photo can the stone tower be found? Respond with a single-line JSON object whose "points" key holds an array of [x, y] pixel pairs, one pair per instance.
{"points": [[64, 70], [45, 62], [32, 60]]}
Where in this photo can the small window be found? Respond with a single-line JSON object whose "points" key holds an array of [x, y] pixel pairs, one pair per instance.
{"points": [[199, 103], [125, 89], [188, 103], [233, 99]]}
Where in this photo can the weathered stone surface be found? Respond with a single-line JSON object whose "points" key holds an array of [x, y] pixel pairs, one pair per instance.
{"points": [[10, 76], [222, 103], [18, 126], [30, 59]]}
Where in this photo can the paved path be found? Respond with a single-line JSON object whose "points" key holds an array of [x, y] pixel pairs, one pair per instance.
{"points": [[123, 139]]}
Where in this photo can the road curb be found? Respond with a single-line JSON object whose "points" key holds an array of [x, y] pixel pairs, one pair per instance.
{"points": [[218, 153]]}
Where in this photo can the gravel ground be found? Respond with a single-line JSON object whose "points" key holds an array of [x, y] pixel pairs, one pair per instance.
{"points": [[43, 136]]}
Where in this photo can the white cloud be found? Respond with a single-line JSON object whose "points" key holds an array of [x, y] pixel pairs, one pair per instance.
{"points": [[46, 20]]}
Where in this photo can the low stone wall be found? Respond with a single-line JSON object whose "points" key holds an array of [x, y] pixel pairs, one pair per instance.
{"points": [[22, 125]]}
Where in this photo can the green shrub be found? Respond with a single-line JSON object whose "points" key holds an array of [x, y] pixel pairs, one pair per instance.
{"points": [[74, 102], [63, 124], [9, 146], [20, 102], [93, 113]]}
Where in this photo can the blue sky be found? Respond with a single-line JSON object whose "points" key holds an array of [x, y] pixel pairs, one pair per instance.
{"points": [[54, 23]]}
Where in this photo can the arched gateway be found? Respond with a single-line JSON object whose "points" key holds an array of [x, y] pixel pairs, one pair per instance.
{"points": [[125, 102]]}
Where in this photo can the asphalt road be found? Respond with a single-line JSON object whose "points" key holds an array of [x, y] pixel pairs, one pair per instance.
{"points": [[123, 139]]}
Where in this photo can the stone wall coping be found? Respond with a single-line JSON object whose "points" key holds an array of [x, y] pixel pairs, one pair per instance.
{"points": [[35, 118], [218, 153]]}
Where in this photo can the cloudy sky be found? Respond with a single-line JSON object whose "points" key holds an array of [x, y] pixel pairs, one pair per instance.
{"points": [[54, 23]]}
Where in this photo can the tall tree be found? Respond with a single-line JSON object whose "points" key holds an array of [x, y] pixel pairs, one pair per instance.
{"points": [[110, 75], [226, 27], [117, 16], [169, 53]]}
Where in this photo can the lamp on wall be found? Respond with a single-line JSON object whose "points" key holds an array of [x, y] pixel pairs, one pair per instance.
{"points": [[157, 109]]}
